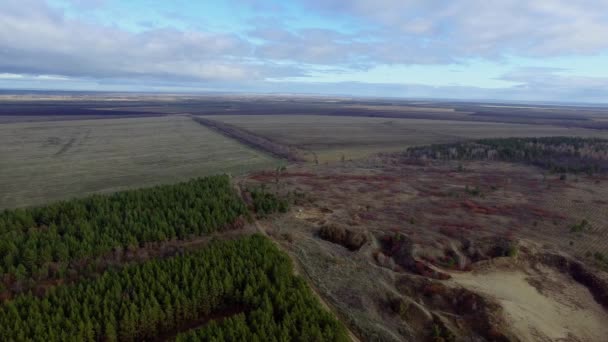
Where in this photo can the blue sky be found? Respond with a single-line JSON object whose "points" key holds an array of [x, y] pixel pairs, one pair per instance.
{"points": [[542, 50]]}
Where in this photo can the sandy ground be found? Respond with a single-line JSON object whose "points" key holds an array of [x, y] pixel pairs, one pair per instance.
{"points": [[542, 304]]}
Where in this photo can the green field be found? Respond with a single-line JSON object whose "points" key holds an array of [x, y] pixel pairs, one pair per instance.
{"points": [[333, 136], [46, 161]]}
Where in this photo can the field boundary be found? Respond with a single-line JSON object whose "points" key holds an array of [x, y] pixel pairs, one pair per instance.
{"points": [[253, 140]]}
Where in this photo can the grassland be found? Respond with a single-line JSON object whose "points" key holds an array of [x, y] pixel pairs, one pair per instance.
{"points": [[330, 137], [47, 161]]}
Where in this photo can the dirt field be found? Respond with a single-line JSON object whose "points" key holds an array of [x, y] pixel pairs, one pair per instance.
{"points": [[448, 250], [46, 161], [332, 137]]}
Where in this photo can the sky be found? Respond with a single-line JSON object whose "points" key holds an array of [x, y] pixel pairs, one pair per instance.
{"points": [[516, 50]]}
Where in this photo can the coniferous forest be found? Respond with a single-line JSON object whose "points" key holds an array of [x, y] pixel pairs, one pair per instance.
{"points": [[265, 203], [229, 290], [40, 242], [249, 278], [556, 154]]}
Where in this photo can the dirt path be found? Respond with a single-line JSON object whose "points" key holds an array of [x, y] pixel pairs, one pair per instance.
{"points": [[220, 315], [300, 271], [139, 255]]}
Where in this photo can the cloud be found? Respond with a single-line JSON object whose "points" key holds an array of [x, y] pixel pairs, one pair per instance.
{"points": [[551, 83], [39, 43], [419, 32], [553, 88], [37, 39], [314, 46], [481, 28], [329, 47]]}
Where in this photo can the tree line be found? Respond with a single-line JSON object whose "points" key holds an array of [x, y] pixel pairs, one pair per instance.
{"points": [[556, 154], [143, 301], [40, 242], [256, 141]]}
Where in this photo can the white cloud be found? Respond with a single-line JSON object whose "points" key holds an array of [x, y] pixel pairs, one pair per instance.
{"points": [[38, 39], [482, 28], [38, 43]]}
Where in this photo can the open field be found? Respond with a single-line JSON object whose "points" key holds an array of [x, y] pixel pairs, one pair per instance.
{"points": [[47, 161], [49, 104], [330, 137]]}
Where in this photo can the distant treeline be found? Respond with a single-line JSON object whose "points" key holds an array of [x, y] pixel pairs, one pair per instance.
{"points": [[240, 290], [39, 243], [253, 140], [557, 154]]}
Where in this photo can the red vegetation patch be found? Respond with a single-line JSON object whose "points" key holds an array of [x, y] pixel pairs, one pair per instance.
{"points": [[452, 205], [479, 209], [362, 178], [264, 176], [429, 193], [271, 175], [453, 232], [433, 289], [539, 212], [368, 216], [464, 226]]}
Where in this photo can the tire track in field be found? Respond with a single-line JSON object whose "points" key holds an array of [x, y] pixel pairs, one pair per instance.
{"points": [[66, 147]]}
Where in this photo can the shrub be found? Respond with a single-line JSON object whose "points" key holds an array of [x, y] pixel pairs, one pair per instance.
{"points": [[578, 228], [348, 238], [266, 203]]}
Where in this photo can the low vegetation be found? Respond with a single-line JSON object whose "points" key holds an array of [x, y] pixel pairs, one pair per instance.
{"points": [[557, 154], [475, 191], [580, 227], [246, 284], [599, 258], [504, 247], [439, 333]]}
